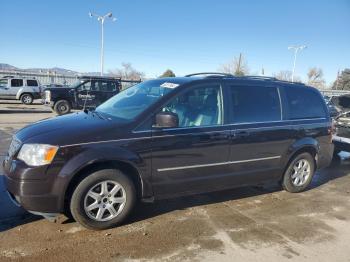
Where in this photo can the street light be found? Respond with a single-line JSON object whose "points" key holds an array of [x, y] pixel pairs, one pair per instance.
{"points": [[102, 20], [296, 50]]}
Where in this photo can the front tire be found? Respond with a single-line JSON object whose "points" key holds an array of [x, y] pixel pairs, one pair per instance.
{"points": [[26, 99], [299, 173], [62, 107], [103, 199]]}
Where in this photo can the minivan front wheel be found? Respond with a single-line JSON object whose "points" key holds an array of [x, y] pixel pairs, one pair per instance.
{"points": [[299, 173], [103, 199]]}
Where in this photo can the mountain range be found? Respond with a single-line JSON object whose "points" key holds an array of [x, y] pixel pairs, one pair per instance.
{"points": [[58, 70]]}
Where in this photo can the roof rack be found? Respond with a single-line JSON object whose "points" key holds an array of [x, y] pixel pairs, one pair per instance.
{"points": [[210, 74], [99, 77], [249, 77]]}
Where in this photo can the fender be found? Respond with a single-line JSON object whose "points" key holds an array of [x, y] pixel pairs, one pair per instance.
{"points": [[307, 142], [90, 154], [25, 89]]}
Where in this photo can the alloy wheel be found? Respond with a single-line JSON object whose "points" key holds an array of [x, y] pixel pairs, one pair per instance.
{"points": [[105, 201], [301, 172]]}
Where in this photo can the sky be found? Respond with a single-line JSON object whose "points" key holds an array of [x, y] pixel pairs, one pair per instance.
{"points": [[183, 35]]}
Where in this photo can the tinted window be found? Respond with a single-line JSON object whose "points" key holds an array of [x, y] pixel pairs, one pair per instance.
{"points": [[107, 86], [86, 86], [198, 107], [254, 104], [304, 103], [16, 82], [32, 83]]}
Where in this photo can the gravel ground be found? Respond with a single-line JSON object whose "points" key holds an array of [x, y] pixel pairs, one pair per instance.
{"points": [[245, 224]]}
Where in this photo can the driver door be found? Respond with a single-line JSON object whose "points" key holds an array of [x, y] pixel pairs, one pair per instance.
{"points": [[86, 94], [192, 157]]}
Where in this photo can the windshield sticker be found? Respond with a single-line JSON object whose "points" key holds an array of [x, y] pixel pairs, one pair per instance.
{"points": [[169, 85]]}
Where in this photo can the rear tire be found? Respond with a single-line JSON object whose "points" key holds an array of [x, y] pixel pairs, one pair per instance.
{"points": [[62, 107], [299, 173], [26, 99], [103, 199]]}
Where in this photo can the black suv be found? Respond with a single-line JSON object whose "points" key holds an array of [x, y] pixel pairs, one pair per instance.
{"points": [[169, 137], [88, 92]]}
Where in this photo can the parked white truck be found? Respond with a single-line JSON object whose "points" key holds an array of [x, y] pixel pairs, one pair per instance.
{"points": [[20, 88]]}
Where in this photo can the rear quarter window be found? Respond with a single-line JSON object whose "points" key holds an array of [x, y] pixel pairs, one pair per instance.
{"points": [[304, 103], [32, 83]]}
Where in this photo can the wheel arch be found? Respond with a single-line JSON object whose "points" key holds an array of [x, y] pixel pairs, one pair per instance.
{"points": [[126, 167], [307, 145]]}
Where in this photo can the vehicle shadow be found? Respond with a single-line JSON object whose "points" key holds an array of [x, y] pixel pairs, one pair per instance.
{"points": [[145, 211], [15, 102], [23, 111], [17, 221]]}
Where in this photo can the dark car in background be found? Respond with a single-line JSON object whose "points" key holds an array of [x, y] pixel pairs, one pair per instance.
{"points": [[88, 92], [169, 137], [341, 139]]}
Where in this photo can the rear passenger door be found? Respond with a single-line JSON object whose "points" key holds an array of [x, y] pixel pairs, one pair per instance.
{"points": [[259, 137], [16, 85]]}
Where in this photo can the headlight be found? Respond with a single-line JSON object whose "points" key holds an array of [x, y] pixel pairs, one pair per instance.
{"points": [[37, 154]]}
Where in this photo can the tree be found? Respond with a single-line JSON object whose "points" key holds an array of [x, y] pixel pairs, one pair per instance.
{"points": [[343, 80], [127, 72], [238, 66], [168, 73], [315, 77], [286, 75]]}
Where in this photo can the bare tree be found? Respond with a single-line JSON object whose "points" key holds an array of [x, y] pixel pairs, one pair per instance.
{"points": [[238, 66], [284, 75], [315, 77], [127, 72]]}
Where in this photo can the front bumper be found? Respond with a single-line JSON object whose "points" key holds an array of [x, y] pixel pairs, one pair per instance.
{"points": [[33, 188], [341, 143], [24, 194]]}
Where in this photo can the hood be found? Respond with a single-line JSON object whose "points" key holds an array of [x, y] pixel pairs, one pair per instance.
{"points": [[73, 128]]}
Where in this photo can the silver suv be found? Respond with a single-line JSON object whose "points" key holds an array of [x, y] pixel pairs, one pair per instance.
{"points": [[18, 88]]}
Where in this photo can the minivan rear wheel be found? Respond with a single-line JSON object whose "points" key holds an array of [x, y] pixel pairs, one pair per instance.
{"points": [[299, 173], [103, 199]]}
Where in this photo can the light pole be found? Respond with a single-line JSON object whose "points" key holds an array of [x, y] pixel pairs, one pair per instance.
{"points": [[296, 50], [102, 20]]}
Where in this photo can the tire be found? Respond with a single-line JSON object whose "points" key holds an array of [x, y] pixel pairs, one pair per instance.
{"points": [[26, 99], [294, 183], [101, 203], [62, 107]]}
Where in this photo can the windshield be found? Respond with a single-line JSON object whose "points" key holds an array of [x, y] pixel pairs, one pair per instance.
{"points": [[134, 100], [77, 83]]}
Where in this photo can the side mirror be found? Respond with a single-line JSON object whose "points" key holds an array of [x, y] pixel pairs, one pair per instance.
{"points": [[166, 120]]}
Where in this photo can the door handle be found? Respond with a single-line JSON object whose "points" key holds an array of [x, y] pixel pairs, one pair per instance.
{"points": [[241, 134]]}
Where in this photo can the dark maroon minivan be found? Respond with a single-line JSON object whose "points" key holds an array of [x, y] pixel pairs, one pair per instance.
{"points": [[169, 137]]}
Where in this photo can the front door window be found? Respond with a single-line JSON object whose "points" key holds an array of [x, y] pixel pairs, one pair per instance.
{"points": [[198, 107]]}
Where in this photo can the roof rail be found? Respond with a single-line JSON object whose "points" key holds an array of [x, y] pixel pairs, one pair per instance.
{"points": [[259, 77], [99, 77], [210, 74]]}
